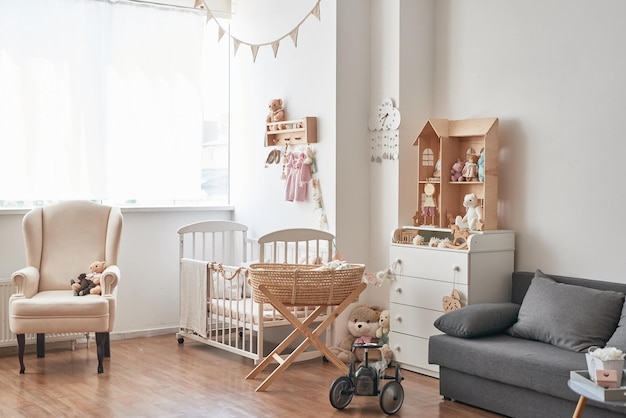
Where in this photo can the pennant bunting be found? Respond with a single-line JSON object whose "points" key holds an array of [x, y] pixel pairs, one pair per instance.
{"points": [[235, 46], [294, 37], [209, 16], [316, 11], [275, 47], [255, 47], [255, 50]]}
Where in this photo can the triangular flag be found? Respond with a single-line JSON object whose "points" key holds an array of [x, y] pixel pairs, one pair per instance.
{"points": [[236, 43], [255, 49], [209, 16], [220, 33], [316, 11], [294, 36], [275, 47]]}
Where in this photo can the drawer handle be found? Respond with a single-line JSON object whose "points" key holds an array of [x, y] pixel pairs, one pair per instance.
{"points": [[396, 347], [398, 318], [398, 290]]}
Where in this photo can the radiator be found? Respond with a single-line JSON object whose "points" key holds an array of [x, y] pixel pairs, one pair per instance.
{"points": [[7, 338]]}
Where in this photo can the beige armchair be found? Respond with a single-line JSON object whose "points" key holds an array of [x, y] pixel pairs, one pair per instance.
{"points": [[61, 241]]}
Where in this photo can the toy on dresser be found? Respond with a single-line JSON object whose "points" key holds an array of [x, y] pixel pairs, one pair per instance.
{"points": [[473, 216]]}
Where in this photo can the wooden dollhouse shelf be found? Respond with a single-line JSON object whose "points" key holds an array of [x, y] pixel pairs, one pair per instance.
{"points": [[446, 141], [291, 132]]}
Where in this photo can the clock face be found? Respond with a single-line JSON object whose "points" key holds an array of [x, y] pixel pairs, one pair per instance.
{"points": [[388, 115]]}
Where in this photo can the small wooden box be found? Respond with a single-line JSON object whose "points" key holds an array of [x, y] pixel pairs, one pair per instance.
{"points": [[607, 378]]}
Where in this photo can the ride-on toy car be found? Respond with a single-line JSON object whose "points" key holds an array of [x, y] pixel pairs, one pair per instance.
{"points": [[365, 381]]}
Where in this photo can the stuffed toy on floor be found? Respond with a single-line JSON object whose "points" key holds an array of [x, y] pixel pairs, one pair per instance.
{"points": [[362, 325]]}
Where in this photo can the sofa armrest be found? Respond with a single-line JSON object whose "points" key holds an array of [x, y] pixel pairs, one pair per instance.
{"points": [[478, 320], [27, 281]]}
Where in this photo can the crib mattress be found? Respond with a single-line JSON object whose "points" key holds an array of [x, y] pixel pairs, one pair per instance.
{"points": [[247, 310]]}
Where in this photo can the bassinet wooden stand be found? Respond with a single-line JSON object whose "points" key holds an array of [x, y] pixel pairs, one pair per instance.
{"points": [[301, 328]]}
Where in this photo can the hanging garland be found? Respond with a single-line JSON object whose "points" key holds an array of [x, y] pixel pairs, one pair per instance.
{"points": [[293, 34]]}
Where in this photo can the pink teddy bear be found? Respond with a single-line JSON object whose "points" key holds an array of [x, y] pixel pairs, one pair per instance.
{"points": [[457, 171]]}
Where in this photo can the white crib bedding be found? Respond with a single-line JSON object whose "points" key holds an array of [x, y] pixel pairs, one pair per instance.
{"points": [[247, 310]]}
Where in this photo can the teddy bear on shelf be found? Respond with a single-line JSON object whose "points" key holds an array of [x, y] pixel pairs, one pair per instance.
{"points": [[276, 114], [473, 216], [362, 326], [81, 285], [382, 333], [457, 170]]}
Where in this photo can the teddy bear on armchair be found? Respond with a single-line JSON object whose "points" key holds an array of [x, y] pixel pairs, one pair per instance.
{"points": [[81, 285], [89, 283], [362, 326]]}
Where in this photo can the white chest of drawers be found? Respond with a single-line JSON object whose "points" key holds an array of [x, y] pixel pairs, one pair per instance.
{"points": [[424, 275]]}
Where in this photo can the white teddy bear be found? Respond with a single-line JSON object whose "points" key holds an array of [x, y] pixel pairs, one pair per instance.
{"points": [[473, 214]]}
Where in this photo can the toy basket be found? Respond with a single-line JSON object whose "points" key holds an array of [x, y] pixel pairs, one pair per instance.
{"points": [[303, 284]]}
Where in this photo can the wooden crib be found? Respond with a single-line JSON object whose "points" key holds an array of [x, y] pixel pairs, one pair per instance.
{"points": [[216, 303]]}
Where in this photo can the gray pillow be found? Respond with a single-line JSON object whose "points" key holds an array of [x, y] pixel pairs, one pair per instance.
{"points": [[618, 339], [478, 320], [567, 316]]}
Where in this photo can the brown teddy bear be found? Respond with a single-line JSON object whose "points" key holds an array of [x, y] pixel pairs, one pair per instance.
{"points": [[89, 283], [96, 268], [362, 325], [81, 285], [276, 114]]}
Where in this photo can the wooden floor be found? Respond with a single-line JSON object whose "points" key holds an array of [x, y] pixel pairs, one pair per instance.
{"points": [[157, 377]]}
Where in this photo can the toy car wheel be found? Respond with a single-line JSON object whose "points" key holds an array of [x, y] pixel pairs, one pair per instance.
{"points": [[391, 398], [341, 392], [181, 340]]}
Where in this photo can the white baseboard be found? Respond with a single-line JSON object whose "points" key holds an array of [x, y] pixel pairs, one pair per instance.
{"points": [[115, 336]]}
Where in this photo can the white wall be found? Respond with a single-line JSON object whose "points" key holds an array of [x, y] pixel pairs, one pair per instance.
{"points": [[304, 77], [554, 73]]}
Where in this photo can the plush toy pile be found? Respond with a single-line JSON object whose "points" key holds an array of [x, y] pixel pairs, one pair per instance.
{"points": [[89, 283], [363, 324]]}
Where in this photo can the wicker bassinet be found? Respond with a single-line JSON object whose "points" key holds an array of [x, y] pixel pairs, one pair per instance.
{"points": [[304, 285]]}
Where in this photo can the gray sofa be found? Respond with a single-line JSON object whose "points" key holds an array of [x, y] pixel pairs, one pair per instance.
{"points": [[515, 358]]}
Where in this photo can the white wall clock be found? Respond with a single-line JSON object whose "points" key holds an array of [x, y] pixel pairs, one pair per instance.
{"points": [[388, 115]]}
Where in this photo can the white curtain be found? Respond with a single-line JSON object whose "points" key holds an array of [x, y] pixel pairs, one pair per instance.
{"points": [[99, 100]]}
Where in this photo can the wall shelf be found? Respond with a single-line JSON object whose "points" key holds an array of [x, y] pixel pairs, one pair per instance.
{"points": [[291, 132]]}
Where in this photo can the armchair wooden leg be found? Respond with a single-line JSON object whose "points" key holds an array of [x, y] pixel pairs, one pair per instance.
{"points": [[21, 344], [101, 343], [41, 345], [107, 346]]}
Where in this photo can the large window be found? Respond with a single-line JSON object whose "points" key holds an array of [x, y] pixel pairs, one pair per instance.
{"points": [[116, 101]]}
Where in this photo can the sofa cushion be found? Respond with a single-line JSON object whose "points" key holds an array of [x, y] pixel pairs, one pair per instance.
{"points": [[567, 316], [618, 339], [478, 320], [513, 361]]}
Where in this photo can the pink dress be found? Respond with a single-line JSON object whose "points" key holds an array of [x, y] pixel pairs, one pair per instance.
{"points": [[298, 176]]}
